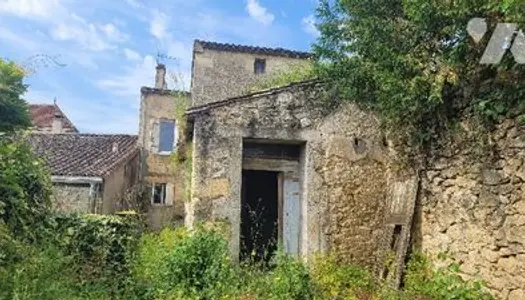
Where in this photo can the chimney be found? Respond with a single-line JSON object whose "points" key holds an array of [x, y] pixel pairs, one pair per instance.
{"points": [[160, 77], [56, 126], [114, 148]]}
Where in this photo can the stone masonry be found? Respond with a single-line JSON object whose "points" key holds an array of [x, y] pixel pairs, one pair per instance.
{"points": [[159, 104], [345, 170], [475, 212], [222, 71]]}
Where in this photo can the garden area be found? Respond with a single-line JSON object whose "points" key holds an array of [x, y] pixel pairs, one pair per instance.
{"points": [[47, 255]]}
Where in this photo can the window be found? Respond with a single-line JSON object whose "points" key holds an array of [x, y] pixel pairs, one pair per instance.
{"points": [[158, 193], [259, 66], [167, 134]]}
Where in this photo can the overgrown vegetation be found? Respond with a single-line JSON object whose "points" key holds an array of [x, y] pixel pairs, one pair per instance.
{"points": [[295, 73], [183, 156], [13, 110], [414, 63]]}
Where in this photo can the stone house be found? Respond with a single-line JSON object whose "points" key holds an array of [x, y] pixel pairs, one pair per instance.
{"points": [[90, 173], [158, 141], [279, 168], [49, 118], [217, 69]]}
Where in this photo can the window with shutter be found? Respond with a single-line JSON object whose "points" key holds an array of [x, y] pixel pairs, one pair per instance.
{"points": [[167, 136], [158, 193]]}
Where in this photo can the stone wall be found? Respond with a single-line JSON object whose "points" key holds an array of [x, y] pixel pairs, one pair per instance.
{"points": [[345, 169], [72, 198], [218, 75], [473, 209], [156, 105]]}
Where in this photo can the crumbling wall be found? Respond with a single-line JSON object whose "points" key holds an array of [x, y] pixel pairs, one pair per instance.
{"points": [[473, 209], [344, 169]]}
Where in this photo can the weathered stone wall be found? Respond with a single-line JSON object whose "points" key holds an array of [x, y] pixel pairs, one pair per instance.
{"points": [[344, 169], [474, 210], [118, 183], [72, 198], [218, 75], [156, 105]]}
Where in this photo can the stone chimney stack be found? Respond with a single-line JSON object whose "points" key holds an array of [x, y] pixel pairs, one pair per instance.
{"points": [[57, 125], [160, 77]]}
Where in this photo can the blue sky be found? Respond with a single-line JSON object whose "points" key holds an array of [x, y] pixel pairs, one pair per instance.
{"points": [[94, 55]]}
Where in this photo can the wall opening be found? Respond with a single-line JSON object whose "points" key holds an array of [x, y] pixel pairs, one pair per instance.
{"points": [[259, 215], [394, 250]]}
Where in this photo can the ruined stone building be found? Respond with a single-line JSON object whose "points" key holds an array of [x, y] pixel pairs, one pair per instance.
{"points": [[279, 168]]}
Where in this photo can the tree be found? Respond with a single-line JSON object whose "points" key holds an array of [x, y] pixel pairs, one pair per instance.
{"points": [[24, 183], [13, 109], [414, 63]]}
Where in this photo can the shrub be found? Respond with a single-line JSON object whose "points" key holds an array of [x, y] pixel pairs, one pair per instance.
{"points": [[25, 189], [334, 280], [150, 265], [294, 74], [290, 279], [199, 266], [101, 246], [44, 273], [423, 281]]}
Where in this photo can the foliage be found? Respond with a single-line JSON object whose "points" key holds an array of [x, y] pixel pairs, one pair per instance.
{"points": [[339, 281], [441, 283], [199, 265], [290, 279], [13, 109], [150, 265], [183, 158], [25, 189], [293, 74], [100, 246], [413, 62]]}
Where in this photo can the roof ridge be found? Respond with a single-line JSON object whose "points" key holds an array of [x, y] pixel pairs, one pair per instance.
{"points": [[278, 51], [85, 134], [204, 107]]}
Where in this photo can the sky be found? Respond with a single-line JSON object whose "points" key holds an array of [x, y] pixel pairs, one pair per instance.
{"points": [[93, 56]]}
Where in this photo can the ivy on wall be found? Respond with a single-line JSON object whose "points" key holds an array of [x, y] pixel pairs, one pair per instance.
{"points": [[414, 63]]}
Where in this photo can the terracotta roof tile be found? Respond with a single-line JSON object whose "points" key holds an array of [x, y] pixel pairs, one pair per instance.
{"points": [[42, 116], [253, 49], [83, 154]]}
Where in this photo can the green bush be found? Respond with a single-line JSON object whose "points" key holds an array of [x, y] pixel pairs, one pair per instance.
{"points": [[334, 280], [44, 274], [150, 264], [102, 247], [25, 191], [426, 282], [199, 266], [293, 74]]}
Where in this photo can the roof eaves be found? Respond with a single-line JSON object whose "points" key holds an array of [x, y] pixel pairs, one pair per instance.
{"points": [[157, 91], [252, 49]]}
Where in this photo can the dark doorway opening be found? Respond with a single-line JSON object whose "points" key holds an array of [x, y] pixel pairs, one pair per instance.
{"points": [[259, 215]]}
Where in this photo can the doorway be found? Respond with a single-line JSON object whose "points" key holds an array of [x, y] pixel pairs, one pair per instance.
{"points": [[259, 215]]}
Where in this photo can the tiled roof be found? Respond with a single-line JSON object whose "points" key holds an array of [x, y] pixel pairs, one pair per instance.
{"points": [[83, 154], [253, 49], [42, 116]]}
